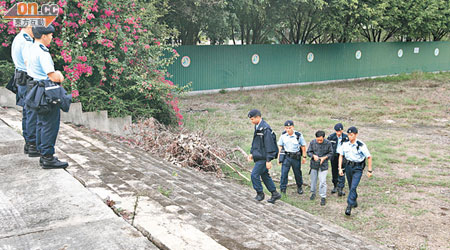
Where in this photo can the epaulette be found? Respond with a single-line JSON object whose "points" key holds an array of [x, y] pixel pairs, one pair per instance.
{"points": [[27, 37], [43, 48], [360, 144]]}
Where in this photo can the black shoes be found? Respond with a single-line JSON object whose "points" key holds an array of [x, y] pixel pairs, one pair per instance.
{"points": [[49, 162], [322, 202], [25, 148], [335, 189], [348, 210], [340, 192], [32, 151], [259, 196], [313, 196], [275, 196], [356, 205], [299, 190]]}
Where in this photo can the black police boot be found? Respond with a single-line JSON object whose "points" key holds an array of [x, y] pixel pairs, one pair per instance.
{"points": [[259, 196], [299, 190], [25, 148], [335, 189], [340, 192], [348, 210], [356, 205], [283, 191], [48, 162], [275, 196], [313, 196], [32, 151], [323, 201]]}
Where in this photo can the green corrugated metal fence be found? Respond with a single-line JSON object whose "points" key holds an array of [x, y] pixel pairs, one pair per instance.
{"points": [[221, 67]]}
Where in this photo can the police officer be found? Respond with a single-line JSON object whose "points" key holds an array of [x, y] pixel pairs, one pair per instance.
{"points": [[293, 146], [41, 69], [19, 52], [337, 139], [353, 155], [263, 151]]}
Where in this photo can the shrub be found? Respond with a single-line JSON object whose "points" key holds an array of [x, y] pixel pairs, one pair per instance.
{"points": [[114, 56]]}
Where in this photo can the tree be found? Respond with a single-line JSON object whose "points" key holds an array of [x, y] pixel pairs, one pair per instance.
{"points": [[297, 21]]}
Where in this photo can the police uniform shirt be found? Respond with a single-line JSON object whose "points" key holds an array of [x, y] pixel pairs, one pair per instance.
{"points": [[40, 62], [352, 153], [20, 49], [290, 142]]}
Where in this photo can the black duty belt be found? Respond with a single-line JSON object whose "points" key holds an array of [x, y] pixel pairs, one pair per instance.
{"points": [[293, 154], [353, 163]]}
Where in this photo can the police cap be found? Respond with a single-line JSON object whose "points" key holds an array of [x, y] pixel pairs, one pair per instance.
{"points": [[352, 130], [41, 30], [289, 123], [338, 127], [254, 113]]}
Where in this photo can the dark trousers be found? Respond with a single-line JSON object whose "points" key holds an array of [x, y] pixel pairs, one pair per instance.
{"points": [[354, 173], [296, 167], [21, 92], [47, 131], [338, 181], [261, 172], [31, 124]]}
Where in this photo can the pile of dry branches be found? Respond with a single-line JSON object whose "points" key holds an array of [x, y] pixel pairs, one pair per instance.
{"points": [[177, 146]]}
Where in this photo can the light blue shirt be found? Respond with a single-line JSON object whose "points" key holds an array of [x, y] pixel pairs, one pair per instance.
{"points": [[290, 142], [40, 62], [351, 153], [19, 50], [339, 143]]}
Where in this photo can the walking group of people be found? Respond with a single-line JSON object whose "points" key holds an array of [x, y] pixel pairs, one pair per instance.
{"points": [[346, 153], [38, 90]]}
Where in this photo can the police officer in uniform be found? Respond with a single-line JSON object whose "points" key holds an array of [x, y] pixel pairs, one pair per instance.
{"points": [[353, 155], [263, 151], [41, 69], [337, 139], [19, 52], [293, 146]]}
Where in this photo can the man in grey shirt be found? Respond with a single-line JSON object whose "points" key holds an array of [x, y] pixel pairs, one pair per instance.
{"points": [[320, 150]]}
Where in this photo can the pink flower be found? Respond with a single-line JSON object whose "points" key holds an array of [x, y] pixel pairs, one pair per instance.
{"points": [[85, 44], [124, 48], [158, 43], [75, 93], [5, 44], [82, 21], [147, 46], [60, 11], [108, 25], [62, 3], [58, 42], [82, 58], [66, 56], [109, 12], [79, 5], [90, 16]]}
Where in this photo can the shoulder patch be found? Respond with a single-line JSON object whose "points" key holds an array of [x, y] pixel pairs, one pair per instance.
{"points": [[27, 37], [43, 48]]}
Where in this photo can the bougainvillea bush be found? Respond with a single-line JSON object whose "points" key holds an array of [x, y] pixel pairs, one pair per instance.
{"points": [[114, 57]]}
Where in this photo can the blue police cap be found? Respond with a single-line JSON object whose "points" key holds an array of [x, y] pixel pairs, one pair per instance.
{"points": [[254, 113], [352, 130], [289, 123], [338, 127], [41, 30]]}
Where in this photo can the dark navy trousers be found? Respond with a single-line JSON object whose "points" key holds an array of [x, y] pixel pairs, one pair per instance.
{"points": [[296, 167], [354, 173], [261, 172], [21, 93], [338, 181], [47, 131]]}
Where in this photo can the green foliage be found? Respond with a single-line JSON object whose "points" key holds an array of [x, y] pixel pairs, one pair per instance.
{"points": [[6, 71]]}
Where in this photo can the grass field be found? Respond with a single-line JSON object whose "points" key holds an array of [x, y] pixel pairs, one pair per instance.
{"points": [[403, 119]]}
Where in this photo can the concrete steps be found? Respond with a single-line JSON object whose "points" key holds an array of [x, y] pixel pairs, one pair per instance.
{"points": [[185, 209]]}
